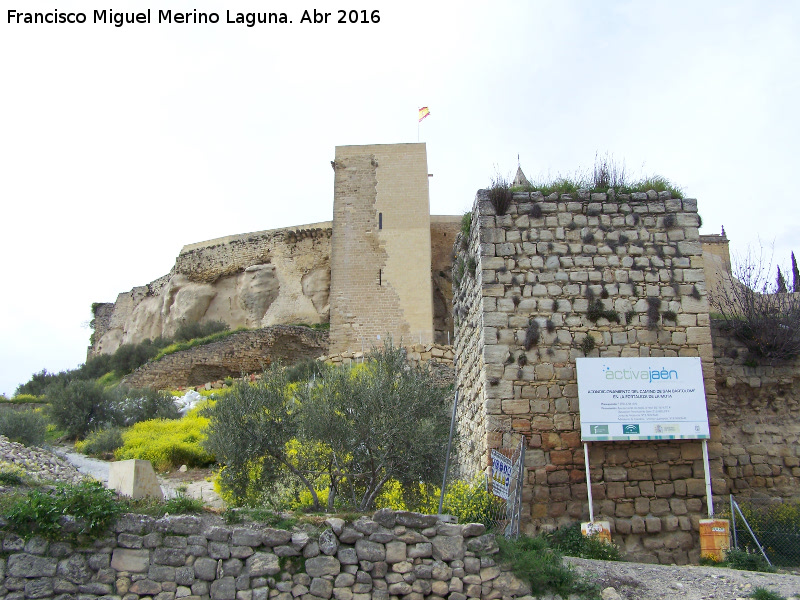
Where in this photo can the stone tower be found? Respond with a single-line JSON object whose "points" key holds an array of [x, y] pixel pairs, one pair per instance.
{"points": [[380, 247]]}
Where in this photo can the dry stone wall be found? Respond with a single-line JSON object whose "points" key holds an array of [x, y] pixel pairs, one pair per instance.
{"points": [[563, 276], [238, 353], [390, 555]]}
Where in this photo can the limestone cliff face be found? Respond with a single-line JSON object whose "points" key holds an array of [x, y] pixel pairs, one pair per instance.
{"points": [[274, 277], [253, 280]]}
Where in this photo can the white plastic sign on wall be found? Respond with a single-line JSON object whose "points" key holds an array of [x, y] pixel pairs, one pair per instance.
{"points": [[501, 474], [642, 399]]}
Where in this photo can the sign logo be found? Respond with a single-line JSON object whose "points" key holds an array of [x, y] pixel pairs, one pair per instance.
{"points": [[630, 429], [667, 429], [598, 429]]}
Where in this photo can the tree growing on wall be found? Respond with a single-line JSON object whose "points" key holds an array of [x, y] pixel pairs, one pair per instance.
{"points": [[757, 308]]}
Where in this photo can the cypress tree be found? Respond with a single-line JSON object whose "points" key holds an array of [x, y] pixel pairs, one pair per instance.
{"points": [[781, 282], [795, 275]]}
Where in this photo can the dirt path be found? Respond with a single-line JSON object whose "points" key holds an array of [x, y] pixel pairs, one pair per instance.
{"points": [[192, 482]]}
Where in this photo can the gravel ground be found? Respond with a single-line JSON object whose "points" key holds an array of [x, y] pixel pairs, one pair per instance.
{"points": [[638, 581]]}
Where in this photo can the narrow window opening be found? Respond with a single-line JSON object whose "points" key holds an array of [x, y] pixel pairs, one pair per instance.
{"points": [[380, 220], [380, 276]]}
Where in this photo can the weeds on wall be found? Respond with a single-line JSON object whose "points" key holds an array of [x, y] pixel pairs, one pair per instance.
{"points": [[606, 174], [500, 194], [587, 344], [532, 334], [653, 316]]}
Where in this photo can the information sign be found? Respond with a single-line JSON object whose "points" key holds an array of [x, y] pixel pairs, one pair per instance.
{"points": [[642, 399], [501, 474]]}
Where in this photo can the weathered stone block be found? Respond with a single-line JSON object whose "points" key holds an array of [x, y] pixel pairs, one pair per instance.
{"points": [[134, 478]]}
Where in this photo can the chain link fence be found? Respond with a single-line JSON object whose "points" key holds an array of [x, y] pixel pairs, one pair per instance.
{"points": [[773, 522]]}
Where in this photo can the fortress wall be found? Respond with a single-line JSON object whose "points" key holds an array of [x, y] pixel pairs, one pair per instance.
{"points": [[758, 408], [381, 246], [624, 251], [237, 354]]}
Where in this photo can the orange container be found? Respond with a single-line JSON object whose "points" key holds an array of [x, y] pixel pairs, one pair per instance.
{"points": [[715, 538], [602, 529]]}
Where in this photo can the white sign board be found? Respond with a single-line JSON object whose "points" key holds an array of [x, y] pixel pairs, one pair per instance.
{"points": [[642, 399], [501, 474]]}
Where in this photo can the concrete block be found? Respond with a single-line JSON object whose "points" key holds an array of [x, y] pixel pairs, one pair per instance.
{"points": [[134, 478]]}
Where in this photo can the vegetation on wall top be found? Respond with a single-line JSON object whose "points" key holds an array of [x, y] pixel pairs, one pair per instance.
{"points": [[606, 175]]}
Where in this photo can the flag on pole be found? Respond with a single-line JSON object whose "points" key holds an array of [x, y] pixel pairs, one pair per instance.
{"points": [[423, 112]]}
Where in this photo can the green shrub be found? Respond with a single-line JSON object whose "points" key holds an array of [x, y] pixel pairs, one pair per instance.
{"points": [[167, 443], [40, 512], [80, 407], [11, 476], [473, 503], [102, 442], [305, 370], [183, 505], [570, 541], [541, 567], [760, 593], [747, 561], [136, 405], [26, 427]]}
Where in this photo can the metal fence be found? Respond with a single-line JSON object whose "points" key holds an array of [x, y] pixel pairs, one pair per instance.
{"points": [[771, 525], [494, 499]]}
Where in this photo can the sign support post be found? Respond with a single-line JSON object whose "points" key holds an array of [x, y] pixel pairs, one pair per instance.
{"points": [[707, 469], [588, 480]]}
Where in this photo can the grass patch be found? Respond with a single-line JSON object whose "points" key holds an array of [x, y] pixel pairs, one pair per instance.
{"points": [[571, 542], [542, 568], [193, 343], [606, 174], [760, 593], [24, 399]]}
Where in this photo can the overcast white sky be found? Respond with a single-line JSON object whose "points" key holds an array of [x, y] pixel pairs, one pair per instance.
{"points": [[120, 145]]}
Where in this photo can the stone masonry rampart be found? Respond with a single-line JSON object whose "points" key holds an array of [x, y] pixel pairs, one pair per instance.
{"points": [[390, 555], [234, 355], [625, 273]]}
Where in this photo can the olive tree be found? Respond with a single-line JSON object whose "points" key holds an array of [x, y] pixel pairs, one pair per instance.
{"points": [[250, 431], [382, 420]]}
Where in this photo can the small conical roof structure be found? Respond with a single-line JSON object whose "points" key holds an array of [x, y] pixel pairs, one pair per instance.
{"points": [[520, 180]]}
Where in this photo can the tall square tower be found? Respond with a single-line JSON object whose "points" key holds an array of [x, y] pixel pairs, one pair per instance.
{"points": [[380, 247]]}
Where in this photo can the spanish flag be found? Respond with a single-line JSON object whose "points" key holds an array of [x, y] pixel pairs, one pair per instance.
{"points": [[423, 112]]}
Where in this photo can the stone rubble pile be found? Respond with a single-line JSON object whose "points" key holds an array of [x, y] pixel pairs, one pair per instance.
{"points": [[37, 463], [393, 554]]}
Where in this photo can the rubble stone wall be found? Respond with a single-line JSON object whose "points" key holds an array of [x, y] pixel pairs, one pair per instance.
{"points": [[392, 554], [234, 355]]}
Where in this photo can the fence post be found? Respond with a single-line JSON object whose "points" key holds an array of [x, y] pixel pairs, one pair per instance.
{"points": [[447, 458]]}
